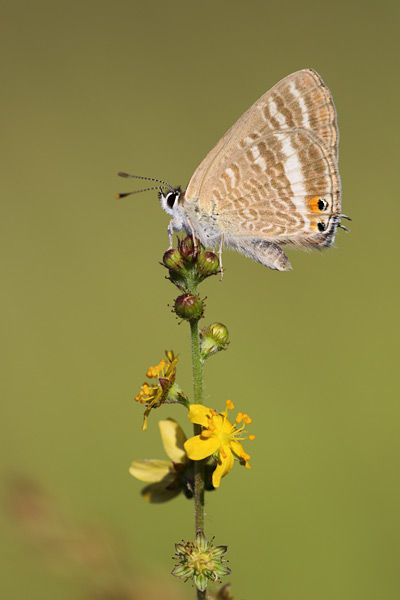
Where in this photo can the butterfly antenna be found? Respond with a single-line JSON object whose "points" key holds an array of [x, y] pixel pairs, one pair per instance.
{"points": [[121, 174], [118, 196]]}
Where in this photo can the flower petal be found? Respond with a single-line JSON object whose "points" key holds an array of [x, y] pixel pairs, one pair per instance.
{"points": [[198, 448], [151, 470], [173, 439], [237, 448], [159, 492], [172, 362], [170, 355], [223, 467], [155, 402], [199, 414]]}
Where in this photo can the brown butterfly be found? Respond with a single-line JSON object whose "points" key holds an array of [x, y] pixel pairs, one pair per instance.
{"points": [[271, 180]]}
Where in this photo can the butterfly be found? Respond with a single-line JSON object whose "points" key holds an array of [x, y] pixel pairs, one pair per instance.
{"points": [[272, 180]]}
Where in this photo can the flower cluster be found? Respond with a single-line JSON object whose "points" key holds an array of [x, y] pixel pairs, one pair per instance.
{"points": [[190, 262], [200, 561], [189, 265]]}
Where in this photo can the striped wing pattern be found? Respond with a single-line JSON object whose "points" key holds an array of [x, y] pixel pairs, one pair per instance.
{"points": [[274, 176]]}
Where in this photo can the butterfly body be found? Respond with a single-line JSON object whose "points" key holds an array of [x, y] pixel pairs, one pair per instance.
{"points": [[271, 180]]}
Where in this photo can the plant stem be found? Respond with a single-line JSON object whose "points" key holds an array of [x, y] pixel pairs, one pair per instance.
{"points": [[198, 399], [197, 366], [197, 363]]}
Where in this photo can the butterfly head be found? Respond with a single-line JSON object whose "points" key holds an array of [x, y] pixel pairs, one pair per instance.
{"points": [[170, 200]]}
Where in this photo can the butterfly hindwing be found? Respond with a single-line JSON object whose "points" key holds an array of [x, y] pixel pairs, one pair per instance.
{"points": [[274, 173]]}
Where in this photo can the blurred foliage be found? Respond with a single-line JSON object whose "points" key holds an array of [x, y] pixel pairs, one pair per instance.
{"points": [[88, 553]]}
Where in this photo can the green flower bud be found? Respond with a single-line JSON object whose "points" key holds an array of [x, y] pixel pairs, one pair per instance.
{"points": [[213, 339], [219, 333], [187, 249], [189, 307], [173, 260], [208, 263]]}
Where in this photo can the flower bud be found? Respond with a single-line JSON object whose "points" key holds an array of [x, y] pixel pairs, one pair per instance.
{"points": [[208, 263], [187, 249], [173, 259], [189, 307], [213, 339], [219, 333]]}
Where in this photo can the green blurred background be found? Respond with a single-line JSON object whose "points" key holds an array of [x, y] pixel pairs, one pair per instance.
{"points": [[91, 88]]}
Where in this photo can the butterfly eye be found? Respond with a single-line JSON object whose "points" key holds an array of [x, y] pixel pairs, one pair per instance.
{"points": [[171, 199], [322, 205], [321, 226]]}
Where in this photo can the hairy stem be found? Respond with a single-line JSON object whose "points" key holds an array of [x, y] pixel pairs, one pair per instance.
{"points": [[199, 464], [197, 363], [198, 399]]}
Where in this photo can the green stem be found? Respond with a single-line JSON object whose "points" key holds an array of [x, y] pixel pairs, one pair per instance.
{"points": [[198, 399], [197, 363], [199, 464]]}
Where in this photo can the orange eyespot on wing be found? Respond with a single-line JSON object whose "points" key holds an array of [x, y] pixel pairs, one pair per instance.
{"points": [[317, 204], [319, 224]]}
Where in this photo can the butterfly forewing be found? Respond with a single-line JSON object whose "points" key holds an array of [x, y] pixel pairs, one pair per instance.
{"points": [[274, 174]]}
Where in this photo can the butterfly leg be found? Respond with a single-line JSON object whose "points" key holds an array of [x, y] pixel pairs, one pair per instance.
{"points": [[171, 233], [193, 235], [212, 242], [220, 256]]}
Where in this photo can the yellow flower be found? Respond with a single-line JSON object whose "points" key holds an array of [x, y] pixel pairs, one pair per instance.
{"points": [[166, 478], [153, 395], [218, 437]]}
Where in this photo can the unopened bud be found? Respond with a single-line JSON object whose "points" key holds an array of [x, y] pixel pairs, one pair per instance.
{"points": [[187, 249], [173, 259], [189, 307], [208, 263], [219, 332], [213, 339]]}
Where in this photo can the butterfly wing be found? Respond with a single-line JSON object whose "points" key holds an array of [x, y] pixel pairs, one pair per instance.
{"points": [[273, 176]]}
